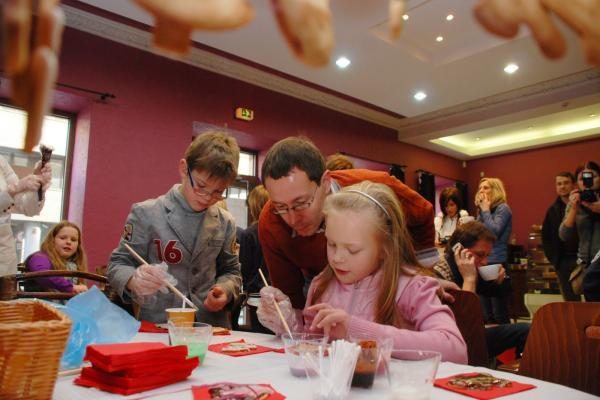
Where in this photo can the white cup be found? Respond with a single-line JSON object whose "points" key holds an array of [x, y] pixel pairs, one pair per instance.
{"points": [[489, 272]]}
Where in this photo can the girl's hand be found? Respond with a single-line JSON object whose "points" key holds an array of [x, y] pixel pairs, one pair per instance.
{"points": [[216, 299], [79, 288], [333, 321]]}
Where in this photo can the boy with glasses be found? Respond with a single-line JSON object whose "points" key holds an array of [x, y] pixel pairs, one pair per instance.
{"points": [[291, 227], [186, 233]]}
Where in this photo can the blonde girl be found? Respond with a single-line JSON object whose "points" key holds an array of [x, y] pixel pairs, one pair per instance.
{"points": [[496, 215], [370, 286], [62, 249]]}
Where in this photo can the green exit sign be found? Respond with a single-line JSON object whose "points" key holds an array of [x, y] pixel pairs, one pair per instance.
{"points": [[244, 113]]}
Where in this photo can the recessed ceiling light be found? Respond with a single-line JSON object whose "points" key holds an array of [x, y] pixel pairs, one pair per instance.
{"points": [[592, 115], [342, 62], [405, 17], [449, 17], [420, 96], [439, 38], [511, 68], [478, 138]]}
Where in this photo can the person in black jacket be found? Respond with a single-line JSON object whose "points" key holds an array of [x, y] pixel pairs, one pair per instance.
{"points": [[562, 255]]}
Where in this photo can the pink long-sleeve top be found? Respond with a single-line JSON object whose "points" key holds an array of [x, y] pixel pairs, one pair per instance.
{"points": [[430, 324]]}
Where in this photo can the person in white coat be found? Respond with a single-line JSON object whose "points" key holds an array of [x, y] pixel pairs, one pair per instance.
{"points": [[18, 196]]}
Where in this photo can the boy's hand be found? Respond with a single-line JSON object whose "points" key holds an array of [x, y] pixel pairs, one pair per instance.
{"points": [[216, 299]]}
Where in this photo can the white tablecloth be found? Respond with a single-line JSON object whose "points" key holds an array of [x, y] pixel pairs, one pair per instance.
{"points": [[272, 368]]}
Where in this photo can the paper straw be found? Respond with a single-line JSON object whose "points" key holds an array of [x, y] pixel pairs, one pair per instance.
{"points": [[285, 325], [167, 283]]}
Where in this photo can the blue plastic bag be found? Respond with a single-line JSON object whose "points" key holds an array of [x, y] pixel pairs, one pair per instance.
{"points": [[95, 320]]}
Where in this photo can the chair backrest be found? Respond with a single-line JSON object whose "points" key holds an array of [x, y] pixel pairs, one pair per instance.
{"points": [[563, 346], [469, 319], [11, 289]]}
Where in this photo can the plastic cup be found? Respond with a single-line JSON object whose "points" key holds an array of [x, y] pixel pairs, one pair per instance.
{"points": [[181, 316], [298, 344], [373, 354], [196, 337], [489, 272], [412, 375]]}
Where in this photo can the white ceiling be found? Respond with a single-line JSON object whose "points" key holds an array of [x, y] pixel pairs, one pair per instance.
{"points": [[468, 93]]}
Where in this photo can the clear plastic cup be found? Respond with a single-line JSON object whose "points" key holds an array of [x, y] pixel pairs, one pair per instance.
{"points": [[196, 337], [412, 374], [298, 344], [373, 358]]}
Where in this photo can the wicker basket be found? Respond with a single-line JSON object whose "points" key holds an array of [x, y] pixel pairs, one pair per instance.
{"points": [[33, 335]]}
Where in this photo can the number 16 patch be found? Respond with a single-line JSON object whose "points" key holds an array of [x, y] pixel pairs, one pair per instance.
{"points": [[170, 254]]}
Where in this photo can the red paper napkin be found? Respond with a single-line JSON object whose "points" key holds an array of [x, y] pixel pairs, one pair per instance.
{"points": [[151, 327], [203, 392], [217, 348], [118, 356], [81, 381], [492, 393], [142, 370], [156, 380]]}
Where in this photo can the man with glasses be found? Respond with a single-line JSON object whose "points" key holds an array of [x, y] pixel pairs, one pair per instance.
{"points": [[468, 249], [184, 237], [291, 224]]}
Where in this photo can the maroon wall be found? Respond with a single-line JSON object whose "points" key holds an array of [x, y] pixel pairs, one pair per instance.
{"points": [[134, 142], [529, 179]]}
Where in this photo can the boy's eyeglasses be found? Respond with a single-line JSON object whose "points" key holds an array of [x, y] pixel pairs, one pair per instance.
{"points": [[201, 192], [282, 210]]}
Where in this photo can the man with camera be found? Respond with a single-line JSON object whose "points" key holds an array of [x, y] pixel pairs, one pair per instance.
{"points": [[582, 216], [562, 255]]}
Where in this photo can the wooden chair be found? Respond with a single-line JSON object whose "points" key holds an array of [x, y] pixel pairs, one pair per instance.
{"points": [[469, 319], [564, 346], [11, 287]]}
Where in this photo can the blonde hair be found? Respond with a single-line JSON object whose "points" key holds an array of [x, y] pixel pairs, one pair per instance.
{"points": [[498, 191], [48, 247], [256, 201], [396, 243]]}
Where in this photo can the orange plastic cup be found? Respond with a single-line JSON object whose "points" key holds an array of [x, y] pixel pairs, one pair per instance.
{"points": [[181, 316]]}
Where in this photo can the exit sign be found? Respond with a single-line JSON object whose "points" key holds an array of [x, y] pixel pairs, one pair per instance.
{"points": [[244, 113]]}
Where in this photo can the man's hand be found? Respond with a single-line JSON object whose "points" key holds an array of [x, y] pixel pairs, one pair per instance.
{"points": [[267, 312], [216, 299]]}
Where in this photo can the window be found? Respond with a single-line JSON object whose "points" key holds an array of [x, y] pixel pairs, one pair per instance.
{"points": [[30, 231], [238, 193]]}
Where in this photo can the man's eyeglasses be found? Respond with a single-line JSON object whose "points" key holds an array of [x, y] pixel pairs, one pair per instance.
{"points": [[200, 191], [282, 210]]}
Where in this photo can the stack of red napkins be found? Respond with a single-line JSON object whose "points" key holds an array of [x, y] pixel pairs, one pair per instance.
{"points": [[127, 368]]}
